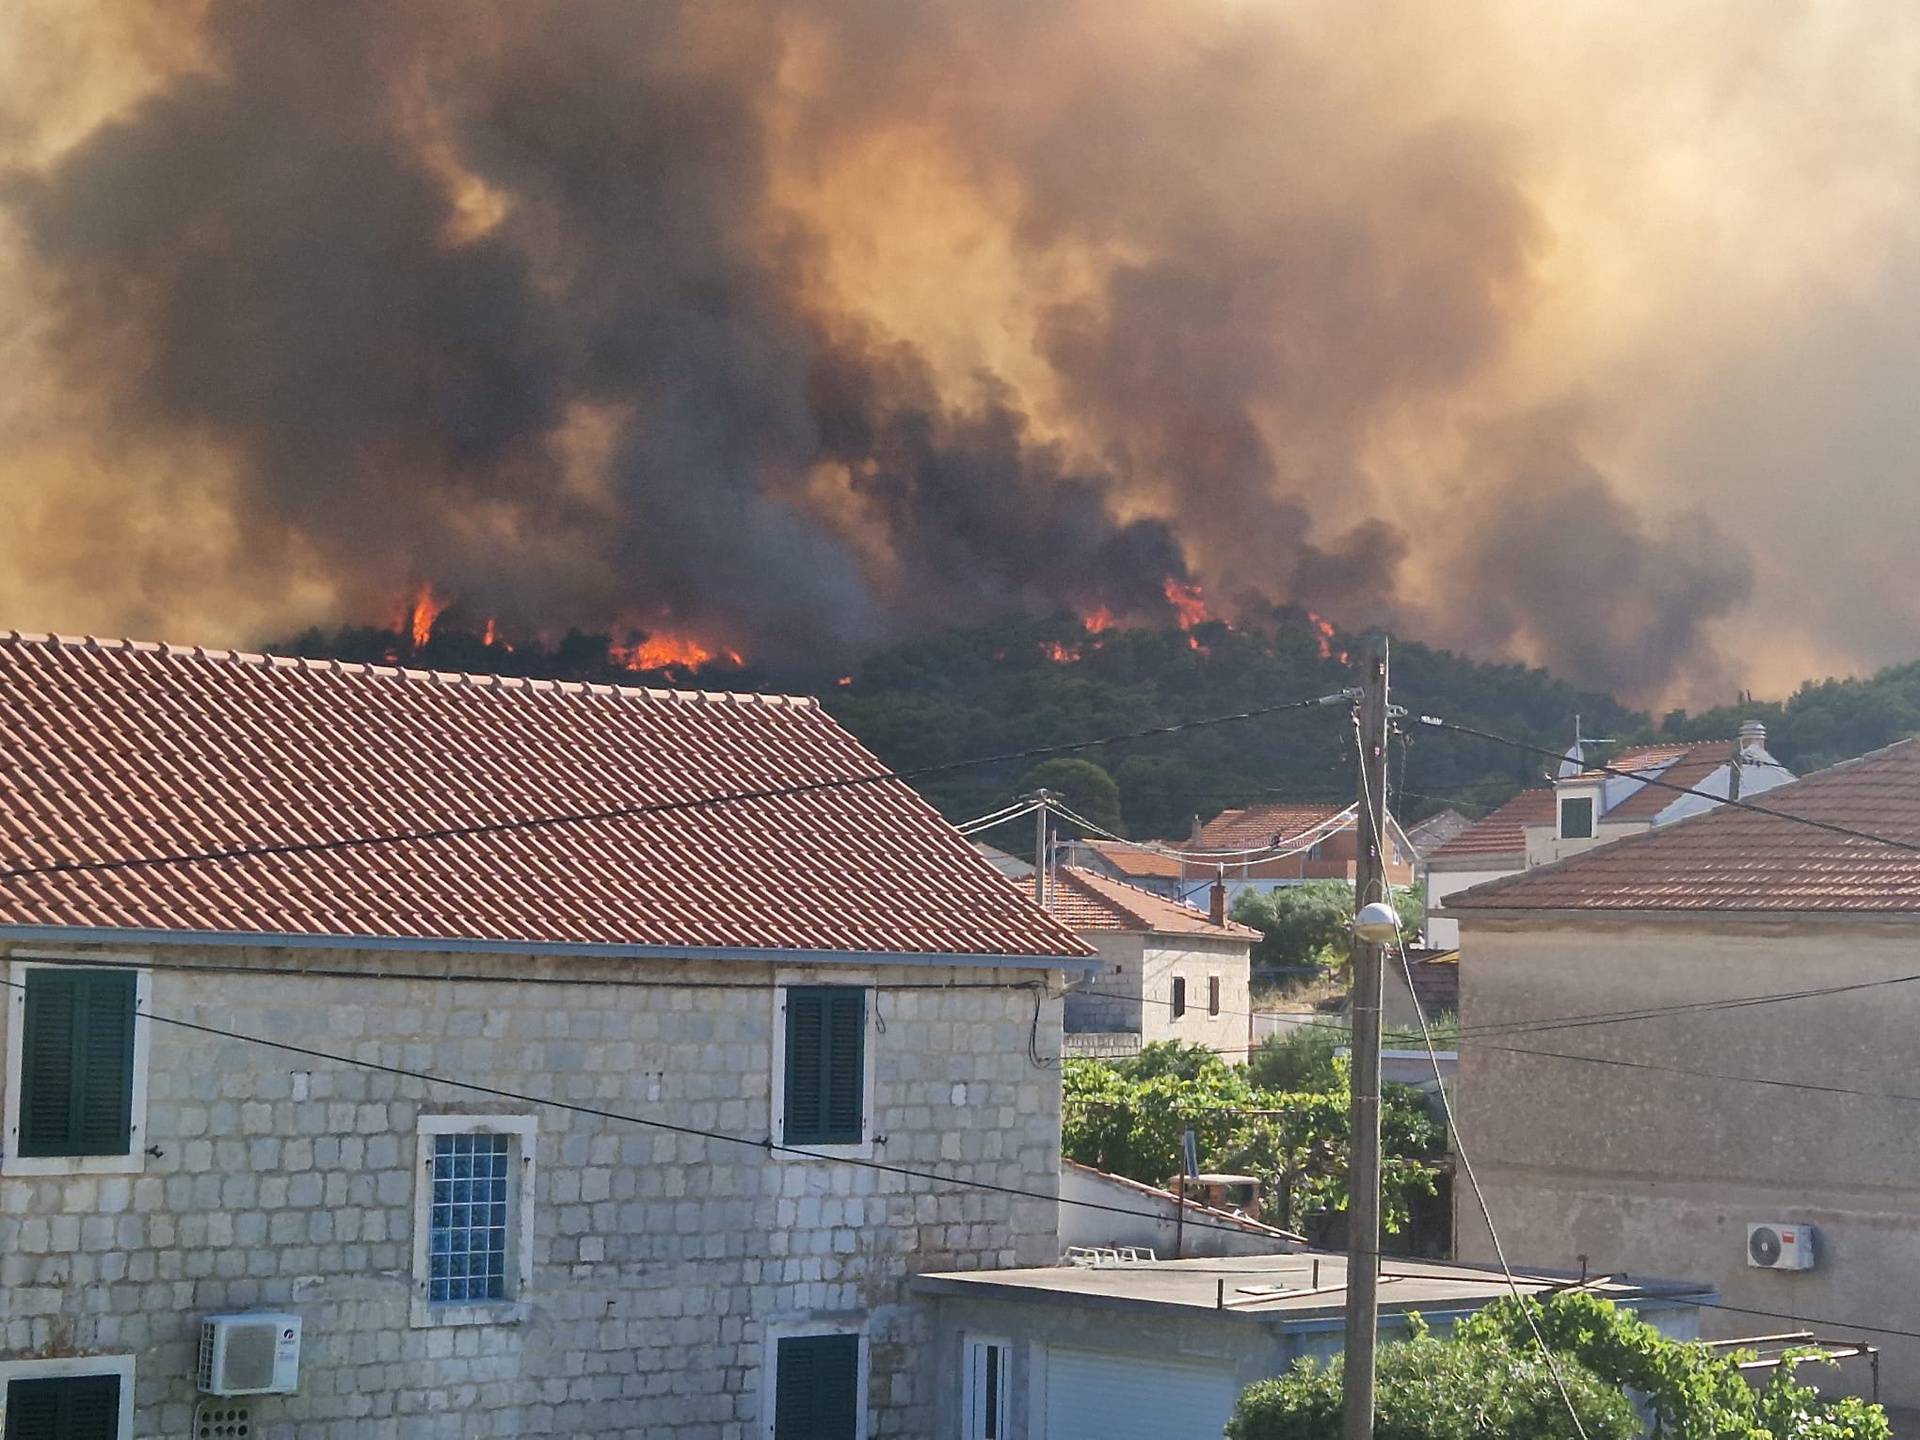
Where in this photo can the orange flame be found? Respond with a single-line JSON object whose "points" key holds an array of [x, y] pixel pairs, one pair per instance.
{"points": [[1098, 621], [1060, 654], [427, 608], [671, 652], [491, 634], [1323, 632], [844, 680], [1189, 605]]}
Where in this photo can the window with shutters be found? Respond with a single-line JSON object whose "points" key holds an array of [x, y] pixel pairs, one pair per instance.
{"points": [[473, 1219], [68, 1399], [1576, 818], [1179, 996], [817, 1388], [823, 1078], [76, 1069], [986, 1397]]}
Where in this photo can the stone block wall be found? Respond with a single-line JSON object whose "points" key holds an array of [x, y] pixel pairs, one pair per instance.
{"points": [[660, 1260]]}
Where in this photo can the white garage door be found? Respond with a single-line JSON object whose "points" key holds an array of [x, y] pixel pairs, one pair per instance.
{"points": [[1092, 1395]]}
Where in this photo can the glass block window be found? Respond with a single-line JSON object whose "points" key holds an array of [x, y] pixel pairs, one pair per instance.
{"points": [[467, 1218]]}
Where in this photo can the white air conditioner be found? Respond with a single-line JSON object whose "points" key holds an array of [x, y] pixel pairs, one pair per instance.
{"points": [[253, 1354], [1780, 1245]]}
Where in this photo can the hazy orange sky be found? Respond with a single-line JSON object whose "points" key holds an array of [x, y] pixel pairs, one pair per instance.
{"points": [[1581, 334]]}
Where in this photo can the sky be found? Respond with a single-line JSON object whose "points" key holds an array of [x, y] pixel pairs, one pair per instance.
{"points": [[1582, 335]]}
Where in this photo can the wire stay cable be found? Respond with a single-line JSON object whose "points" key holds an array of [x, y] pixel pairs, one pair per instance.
{"points": [[768, 1145], [1453, 1125]]}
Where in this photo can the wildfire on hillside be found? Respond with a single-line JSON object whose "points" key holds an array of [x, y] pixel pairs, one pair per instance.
{"points": [[1060, 654], [1323, 632], [666, 651], [1097, 621], [419, 617]]}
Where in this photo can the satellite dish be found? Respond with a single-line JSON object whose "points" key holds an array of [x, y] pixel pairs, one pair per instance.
{"points": [[1764, 1245], [1573, 762]]}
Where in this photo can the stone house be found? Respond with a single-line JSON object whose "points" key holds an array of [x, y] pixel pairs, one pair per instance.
{"points": [[631, 1125], [1167, 972], [1702, 1030], [1587, 807]]}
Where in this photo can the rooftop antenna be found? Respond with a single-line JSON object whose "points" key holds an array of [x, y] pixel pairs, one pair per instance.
{"points": [[1575, 760]]}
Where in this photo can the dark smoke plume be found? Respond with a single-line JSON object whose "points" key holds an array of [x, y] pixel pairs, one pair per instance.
{"points": [[557, 306]]}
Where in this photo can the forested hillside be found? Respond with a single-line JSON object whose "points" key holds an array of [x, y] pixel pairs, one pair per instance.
{"points": [[1023, 683]]}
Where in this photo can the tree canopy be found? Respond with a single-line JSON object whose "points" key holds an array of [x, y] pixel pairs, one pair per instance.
{"points": [[1311, 924], [1490, 1381], [1128, 1117]]}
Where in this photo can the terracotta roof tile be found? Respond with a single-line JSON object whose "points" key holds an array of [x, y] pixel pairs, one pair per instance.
{"points": [[1431, 833], [1086, 901], [1257, 825], [1141, 864], [1688, 768], [1745, 860], [116, 749], [1503, 832]]}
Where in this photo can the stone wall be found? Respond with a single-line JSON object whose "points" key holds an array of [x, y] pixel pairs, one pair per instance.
{"points": [[1656, 1171], [659, 1260]]}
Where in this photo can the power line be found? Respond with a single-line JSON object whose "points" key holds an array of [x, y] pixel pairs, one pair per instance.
{"points": [[1846, 1090], [1437, 723], [661, 807], [1460, 1145], [768, 1145]]}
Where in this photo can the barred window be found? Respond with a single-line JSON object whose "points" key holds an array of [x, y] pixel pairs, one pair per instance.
{"points": [[467, 1245]]}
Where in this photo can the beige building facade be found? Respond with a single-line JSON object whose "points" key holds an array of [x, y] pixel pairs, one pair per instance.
{"points": [[1679, 1037], [648, 1271]]}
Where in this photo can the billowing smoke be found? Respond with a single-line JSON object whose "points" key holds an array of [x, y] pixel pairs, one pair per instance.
{"points": [[811, 325]]}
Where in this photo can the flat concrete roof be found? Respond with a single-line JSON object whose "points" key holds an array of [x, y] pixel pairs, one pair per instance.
{"points": [[1281, 1289]]}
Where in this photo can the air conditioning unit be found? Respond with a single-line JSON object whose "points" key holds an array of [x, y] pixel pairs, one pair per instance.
{"points": [[1779, 1245], [253, 1354]]}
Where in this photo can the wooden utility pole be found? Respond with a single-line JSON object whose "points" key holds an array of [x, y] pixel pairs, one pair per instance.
{"points": [[1040, 847], [1363, 1166]]}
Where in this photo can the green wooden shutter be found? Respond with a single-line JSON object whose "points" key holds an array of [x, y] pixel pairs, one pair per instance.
{"points": [[816, 1387], [826, 1065], [75, 1407], [76, 1072], [846, 1067]]}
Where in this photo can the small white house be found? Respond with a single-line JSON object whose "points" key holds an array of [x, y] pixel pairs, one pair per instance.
{"points": [[1167, 972], [1586, 807]]}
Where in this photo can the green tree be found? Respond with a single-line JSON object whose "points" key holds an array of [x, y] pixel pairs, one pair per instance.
{"points": [[1694, 1393], [1083, 785], [1490, 1381], [1431, 1389], [1128, 1119], [1310, 924]]}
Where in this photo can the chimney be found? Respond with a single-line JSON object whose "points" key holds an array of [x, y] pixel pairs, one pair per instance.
{"points": [[1217, 901], [1753, 735]]}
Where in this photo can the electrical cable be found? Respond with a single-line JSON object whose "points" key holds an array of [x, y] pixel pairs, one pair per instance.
{"points": [[1437, 723], [769, 1145], [1453, 1126], [659, 807], [1278, 850]]}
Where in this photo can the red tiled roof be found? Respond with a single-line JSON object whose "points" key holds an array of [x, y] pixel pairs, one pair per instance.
{"points": [[1687, 769], [1744, 860], [1131, 860], [1086, 901], [117, 750], [1257, 825], [1431, 833], [1502, 832]]}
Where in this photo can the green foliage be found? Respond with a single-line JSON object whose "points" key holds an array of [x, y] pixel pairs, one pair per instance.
{"points": [[1084, 786], [1489, 1379], [1694, 1393], [1822, 722], [1301, 1058], [1430, 1389], [1310, 924], [1128, 1119]]}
